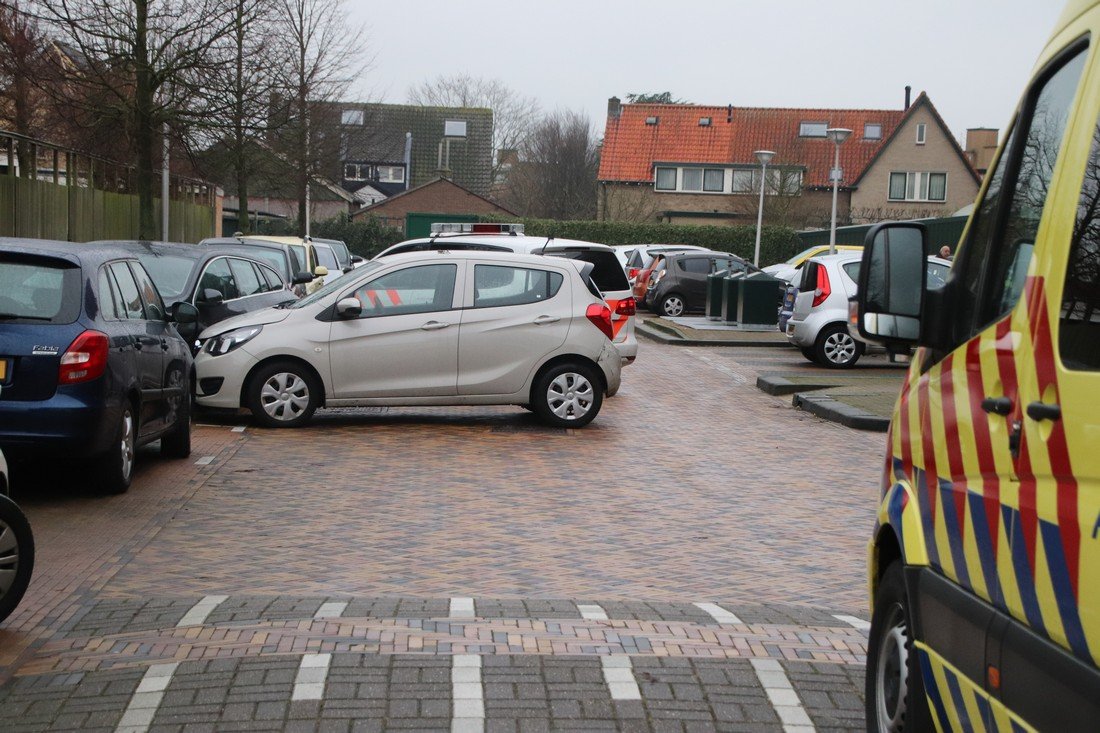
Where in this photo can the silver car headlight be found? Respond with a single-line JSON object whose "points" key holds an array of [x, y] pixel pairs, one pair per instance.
{"points": [[223, 343]]}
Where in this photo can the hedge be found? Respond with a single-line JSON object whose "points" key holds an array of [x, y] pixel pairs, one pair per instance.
{"points": [[368, 237], [776, 243]]}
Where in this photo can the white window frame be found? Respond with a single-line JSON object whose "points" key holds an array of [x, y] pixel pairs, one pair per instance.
{"points": [[351, 117], [804, 125], [922, 133], [394, 173], [917, 185], [358, 172], [872, 124]]}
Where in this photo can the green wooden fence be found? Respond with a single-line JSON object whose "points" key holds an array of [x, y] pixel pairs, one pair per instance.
{"points": [[47, 192]]}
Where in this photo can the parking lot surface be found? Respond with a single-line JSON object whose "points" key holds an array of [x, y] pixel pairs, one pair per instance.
{"points": [[692, 560]]}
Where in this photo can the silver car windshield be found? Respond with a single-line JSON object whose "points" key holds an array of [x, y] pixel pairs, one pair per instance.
{"points": [[337, 284]]}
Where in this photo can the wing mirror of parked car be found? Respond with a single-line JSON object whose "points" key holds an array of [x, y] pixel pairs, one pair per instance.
{"points": [[320, 271], [210, 296], [349, 308], [892, 277], [186, 317], [302, 278], [356, 259]]}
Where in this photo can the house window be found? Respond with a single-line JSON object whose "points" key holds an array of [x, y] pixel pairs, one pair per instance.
{"points": [[921, 133], [714, 179], [917, 186], [454, 128], [812, 129], [743, 181], [872, 131], [651, 120], [666, 179], [692, 179], [356, 172], [789, 183], [704, 122], [351, 117], [391, 174]]}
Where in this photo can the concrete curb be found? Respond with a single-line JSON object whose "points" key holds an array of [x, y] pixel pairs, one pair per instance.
{"points": [[836, 411], [661, 335], [780, 386]]}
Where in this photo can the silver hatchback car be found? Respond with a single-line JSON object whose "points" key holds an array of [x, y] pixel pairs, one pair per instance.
{"points": [[423, 328], [819, 324]]}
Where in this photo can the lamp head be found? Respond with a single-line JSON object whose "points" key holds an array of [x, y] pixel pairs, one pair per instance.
{"points": [[838, 134], [764, 156]]}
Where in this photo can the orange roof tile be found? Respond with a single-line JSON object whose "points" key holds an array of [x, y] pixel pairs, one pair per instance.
{"points": [[631, 147]]}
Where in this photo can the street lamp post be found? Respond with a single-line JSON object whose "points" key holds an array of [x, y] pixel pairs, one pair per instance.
{"points": [[838, 135], [765, 157]]}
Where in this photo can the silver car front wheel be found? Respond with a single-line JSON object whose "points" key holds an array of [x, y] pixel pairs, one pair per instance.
{"points": [[283, 395]]}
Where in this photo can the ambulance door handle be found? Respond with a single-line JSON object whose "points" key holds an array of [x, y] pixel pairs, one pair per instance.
{"points": [[997, 405], [1039, 411]]}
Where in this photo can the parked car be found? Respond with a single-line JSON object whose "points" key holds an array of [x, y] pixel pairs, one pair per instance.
{"points": [[644, 259], [423, 328], [679, 284], [16, 548], [347, 260], [304, 256], [91, 365], [607, 273], [819, 325], [276, 255], [790, 269], [219, 284]]}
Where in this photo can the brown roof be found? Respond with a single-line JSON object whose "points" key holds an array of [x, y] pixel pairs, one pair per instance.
{"points": [[631, 147], [421, 187]]}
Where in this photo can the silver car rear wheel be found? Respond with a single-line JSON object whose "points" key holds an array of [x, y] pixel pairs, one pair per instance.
{"points": [[835, 347], [570, 396], [567, 396]]}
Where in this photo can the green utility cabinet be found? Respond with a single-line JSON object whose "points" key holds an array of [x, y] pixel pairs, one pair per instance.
{"points": [[714, 294], [731, 295], [755, 302]]}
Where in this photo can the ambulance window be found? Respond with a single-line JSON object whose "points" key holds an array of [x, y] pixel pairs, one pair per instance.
{"points": [[1079, 330], [1003, 232]]}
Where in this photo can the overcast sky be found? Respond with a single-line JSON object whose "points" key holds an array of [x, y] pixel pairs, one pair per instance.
{"points": [[971, 56]]}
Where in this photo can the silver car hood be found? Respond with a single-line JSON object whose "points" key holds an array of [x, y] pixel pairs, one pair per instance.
{"points": [[255, 318]]}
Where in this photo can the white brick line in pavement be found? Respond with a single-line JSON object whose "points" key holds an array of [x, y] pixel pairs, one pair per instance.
{"points": [[592, 612], [462, 607], [146, 699], [331, 609], [205, 461], [309, 684], [853, 621], [718, 613], [198, 613], [618, 672], [782, 696], [239, 429], [468, 694]]}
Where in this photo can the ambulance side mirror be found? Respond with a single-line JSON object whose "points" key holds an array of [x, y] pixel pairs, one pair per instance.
{"points": [[887, 308]]}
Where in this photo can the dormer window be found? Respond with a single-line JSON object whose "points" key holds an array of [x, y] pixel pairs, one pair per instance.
{"points": [[704, 122], [812, 129], [872, 131], [351, 117], [651, 120]]}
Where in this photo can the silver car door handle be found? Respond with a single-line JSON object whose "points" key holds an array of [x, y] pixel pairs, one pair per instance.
{"points": [[541, 320], [433, 326]]}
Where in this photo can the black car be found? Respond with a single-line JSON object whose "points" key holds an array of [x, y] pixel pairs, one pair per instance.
{"points": [[283, 258], [91, 364], [220, 282], [679, 284]]}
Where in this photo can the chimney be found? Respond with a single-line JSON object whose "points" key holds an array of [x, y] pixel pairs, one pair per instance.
{"points": [[614, 107], [729, 113], [908, 92]]}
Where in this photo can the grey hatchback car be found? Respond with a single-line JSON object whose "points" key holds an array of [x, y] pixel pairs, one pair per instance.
{"points": [[679, 284]]}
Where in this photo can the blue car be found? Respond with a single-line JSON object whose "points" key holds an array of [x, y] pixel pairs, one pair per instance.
{"points": [[91, 363]]}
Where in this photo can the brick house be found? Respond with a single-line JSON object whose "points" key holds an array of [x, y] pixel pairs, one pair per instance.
{"points": [[440, 196], [693, 164]]}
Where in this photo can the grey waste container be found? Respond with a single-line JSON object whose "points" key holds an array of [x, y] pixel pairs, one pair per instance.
{"points": [[714, 294], [731, 294], [758, 299]]}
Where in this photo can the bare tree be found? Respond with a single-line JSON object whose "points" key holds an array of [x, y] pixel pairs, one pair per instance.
{"points": [[148, 63], [556, 175], [319, 58], [22, 63], [628, 202], [513, 114]]}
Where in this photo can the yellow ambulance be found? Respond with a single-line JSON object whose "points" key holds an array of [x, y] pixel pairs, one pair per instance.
{"points": [[984, 566]]}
